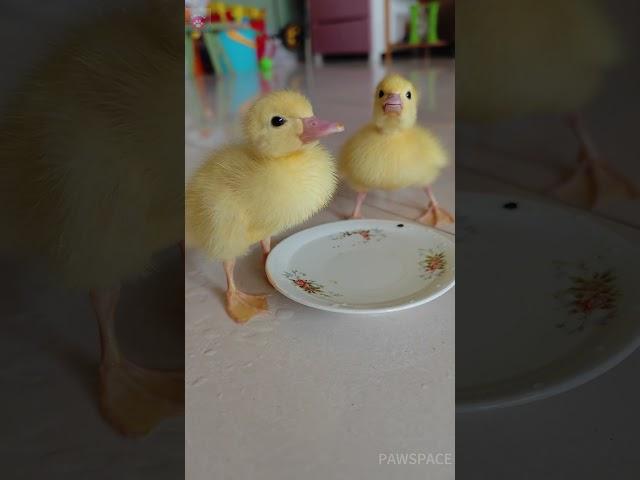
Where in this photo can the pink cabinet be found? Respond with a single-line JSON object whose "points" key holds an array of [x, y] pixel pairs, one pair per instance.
{"points": [[340, 26]]}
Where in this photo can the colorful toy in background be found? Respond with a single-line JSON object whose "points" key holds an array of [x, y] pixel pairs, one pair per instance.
{"points": [[222, 39], [423, 23], [291, 35]]}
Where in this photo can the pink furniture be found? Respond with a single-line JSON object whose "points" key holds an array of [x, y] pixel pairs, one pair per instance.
{"points": [[340, 26]]}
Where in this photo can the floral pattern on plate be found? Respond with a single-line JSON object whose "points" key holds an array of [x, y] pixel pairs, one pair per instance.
{"points": [[592, 295], [312, 287], [361, 236], [433, 263]]}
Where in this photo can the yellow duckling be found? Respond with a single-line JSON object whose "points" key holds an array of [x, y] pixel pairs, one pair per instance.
{"points": [[246, 193], [393, 152]]}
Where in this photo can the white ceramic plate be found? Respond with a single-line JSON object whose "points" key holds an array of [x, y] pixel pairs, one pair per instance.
{"points": [[556, 308], [363, 266]]}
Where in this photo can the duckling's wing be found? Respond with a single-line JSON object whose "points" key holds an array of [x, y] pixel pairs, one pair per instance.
{"points": [[430, 148], [216, 222], [230, 236]]}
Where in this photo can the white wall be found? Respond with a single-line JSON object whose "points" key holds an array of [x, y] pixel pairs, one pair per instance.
{"points": [[399, 16]]}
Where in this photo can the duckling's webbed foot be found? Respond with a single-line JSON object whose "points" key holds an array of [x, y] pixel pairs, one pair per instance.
{"points": [[592, 181], [594, 178], [133, 399], [435, 214], [242, 307]]}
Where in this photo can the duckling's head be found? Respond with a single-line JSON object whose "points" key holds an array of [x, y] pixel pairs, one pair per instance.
{"points": [[282, 122], [395, 103]]}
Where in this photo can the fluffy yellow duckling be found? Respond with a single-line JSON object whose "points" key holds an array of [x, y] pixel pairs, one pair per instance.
{"points": [[88, 169], [540, 57], [393, 152], [246, 193]]}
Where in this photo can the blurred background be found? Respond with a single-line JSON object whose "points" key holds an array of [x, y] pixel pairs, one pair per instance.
{"points": [[235, 52]]}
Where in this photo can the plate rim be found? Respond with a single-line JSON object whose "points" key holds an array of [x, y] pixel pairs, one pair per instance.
{"points": [[361, 311], [557, 387]]}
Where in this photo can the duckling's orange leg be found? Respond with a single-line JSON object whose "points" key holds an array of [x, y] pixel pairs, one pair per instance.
{"points": [[357, 211], [133, 399], [266, 248], [593, 177], [434, 213], [241, 306]]}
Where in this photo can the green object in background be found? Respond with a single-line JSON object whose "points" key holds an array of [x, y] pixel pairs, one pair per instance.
{"points": [[267, 75], [414, 34], [266, 64], [433, 10], [266, 67]]}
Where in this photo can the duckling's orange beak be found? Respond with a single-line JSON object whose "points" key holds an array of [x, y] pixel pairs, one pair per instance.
{"points": [[393, 103], [313, 128]]}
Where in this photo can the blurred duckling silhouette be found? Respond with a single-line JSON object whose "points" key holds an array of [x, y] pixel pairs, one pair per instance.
{"points": [[527, 57], [90, 181]]}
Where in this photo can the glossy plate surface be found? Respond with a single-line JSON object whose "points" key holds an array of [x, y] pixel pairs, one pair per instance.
{"points": [[549, 300], [363, 266]]}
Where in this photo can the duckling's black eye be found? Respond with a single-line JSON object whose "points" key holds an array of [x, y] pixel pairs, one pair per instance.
{"points": [[408, 95], [278, 121], [380, 94]]}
